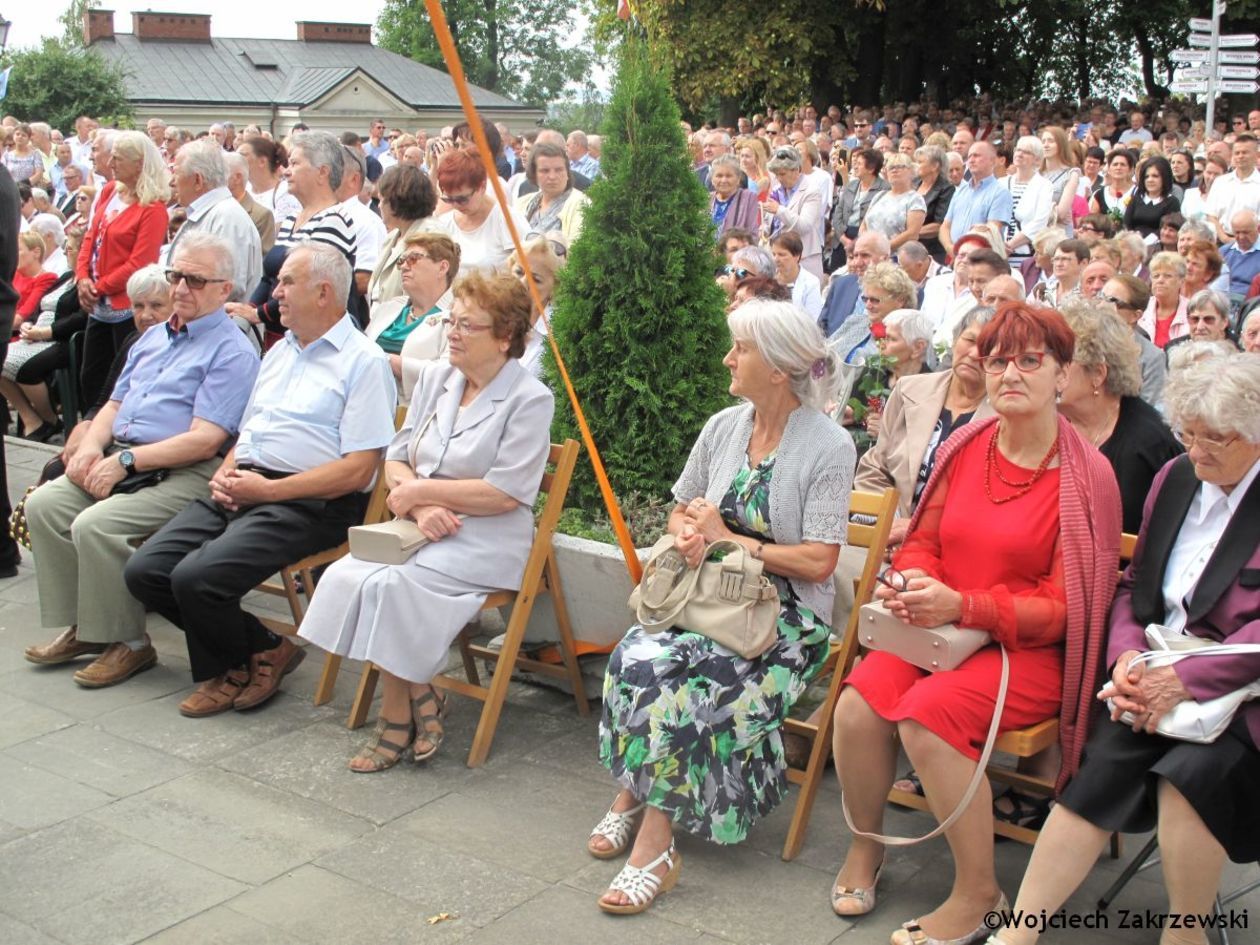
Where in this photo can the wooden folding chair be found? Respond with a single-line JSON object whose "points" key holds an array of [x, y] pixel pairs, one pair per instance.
{"points": [[541, 574], [874, 538], [298, 596], [1022, 743]]}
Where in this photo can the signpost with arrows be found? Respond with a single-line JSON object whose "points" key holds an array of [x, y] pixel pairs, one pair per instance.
{"points": [[1225, 64]]}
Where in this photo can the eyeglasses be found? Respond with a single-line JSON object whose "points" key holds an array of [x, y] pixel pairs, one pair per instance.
{"points": [[458, 201], [1209, 444], [1118, 303], [196, 283], [872, 300], [1025, 363], [739, 272], [464, 326], [407, 260], [861, 124], [891, 577], [1087, 228]]}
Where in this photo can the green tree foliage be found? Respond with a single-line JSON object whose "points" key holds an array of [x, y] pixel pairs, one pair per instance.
{"points": [[638, 316], [56, 84], [71, 21], [513, 47]]}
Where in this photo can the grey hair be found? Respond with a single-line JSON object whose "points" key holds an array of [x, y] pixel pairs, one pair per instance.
{"points": [[914, 325], [355, 161], [41, 126], [235, 164], [149, 281], [223, 253], [790, 342], [725, 160], [1048, 240], [1184, 354], [756, 259], [931, 153], [106, 138], [1206, 298], [912, 250], [322, 149], [875, 240], [723, 138], [327, 264], [45, 224], [1134, 242], [784, 159], [977, 317], [1170, 260], [1221, 392], [1200, 229], [1032, 143], [204, 160], [1103, 339]]}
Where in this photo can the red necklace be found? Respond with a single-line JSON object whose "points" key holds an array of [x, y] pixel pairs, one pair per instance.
{"points": [[1021, 488]]}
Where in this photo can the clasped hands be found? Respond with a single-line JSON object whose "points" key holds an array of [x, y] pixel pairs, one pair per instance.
{"points": [[406, 500], [925, 601], [702, 525], [88, 470], [1148, 693], [235, 489]]}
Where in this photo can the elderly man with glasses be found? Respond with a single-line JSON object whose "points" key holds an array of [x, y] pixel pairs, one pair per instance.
{"points": [[149, 452]]}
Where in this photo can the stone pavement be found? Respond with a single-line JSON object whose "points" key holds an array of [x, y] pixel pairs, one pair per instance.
{"points": [[121, 822]]}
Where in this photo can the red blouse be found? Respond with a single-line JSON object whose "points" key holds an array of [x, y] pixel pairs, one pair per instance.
{"points": [[1004, 559], [30, 290]]}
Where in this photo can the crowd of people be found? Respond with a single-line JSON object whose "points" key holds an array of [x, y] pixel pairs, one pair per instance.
{"points": [[1036, 327]]}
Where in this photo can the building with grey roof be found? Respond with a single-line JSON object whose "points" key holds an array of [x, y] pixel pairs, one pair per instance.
{"points": [[330, 77]]}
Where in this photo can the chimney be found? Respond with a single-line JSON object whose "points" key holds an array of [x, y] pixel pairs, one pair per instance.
{"points": [[97, 24], [181, 27], [309, 31]]}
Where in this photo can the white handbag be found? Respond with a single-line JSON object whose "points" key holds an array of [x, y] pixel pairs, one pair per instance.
{"points": [[1193, 721], [387, 542]]}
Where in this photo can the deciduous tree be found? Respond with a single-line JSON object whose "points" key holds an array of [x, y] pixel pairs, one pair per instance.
{"points": [[56, 84]]}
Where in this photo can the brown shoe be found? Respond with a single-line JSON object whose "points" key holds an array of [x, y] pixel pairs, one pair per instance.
{"points": [[215, 695], [119, 662], [66, 647], [266, 670]]}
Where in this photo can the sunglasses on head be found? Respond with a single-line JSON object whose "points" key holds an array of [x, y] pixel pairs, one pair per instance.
{"points": [[739, 272]]}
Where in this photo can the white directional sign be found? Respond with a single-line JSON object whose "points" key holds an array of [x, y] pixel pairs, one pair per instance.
{"points": [[1198, 55], [1190, 86], [1233, 40], [1200, 24], [1235, 56], [1199, 72], [1232, 85], [1220, 8], [1202, 40], [1237, 72]]}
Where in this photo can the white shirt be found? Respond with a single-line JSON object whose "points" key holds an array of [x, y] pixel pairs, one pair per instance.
{"points": [[56, 262], [1231, 193], [369, 234], [821, 181], [218, 212], [1200, 533], [278, 200], [807, 293], [1140, 134], [486, 247], [535, 343], [944, 307]]}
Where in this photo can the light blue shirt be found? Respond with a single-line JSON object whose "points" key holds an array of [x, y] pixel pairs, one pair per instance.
{"points": [[972, 206], [586, 166], [316, 404], [203, 371]]}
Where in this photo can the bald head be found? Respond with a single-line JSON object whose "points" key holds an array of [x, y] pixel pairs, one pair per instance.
{"points": [[1002, 289], [1243, 225]]}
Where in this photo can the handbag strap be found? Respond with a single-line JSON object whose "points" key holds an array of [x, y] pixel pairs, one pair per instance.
{"points": [[1168, 657], [666, 608], [972, 787]]}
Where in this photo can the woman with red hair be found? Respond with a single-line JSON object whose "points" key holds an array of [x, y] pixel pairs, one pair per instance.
{"points": [[476, 221], [1018, 509]]}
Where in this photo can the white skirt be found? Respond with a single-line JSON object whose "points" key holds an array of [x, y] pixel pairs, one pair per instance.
{"points": [[402, 617]]}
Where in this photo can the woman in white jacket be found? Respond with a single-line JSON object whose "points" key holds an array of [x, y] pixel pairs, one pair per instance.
{"points": [[1032, 198]]}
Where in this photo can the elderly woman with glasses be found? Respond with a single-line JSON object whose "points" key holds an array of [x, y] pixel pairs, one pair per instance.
{"points": [[1192, 574], [557, 204], [476, 221], [1167, 316], [794, 206], [1032, 199], [407, 201], [898, 212], [465, 467], [731, 206], [1017, 510], [1130, 295]]}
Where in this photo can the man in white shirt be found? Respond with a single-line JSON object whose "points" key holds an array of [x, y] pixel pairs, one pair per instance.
{"points": [[81, 143], [1137, 132], [369, 231], [1235, 191], [200, 183]]}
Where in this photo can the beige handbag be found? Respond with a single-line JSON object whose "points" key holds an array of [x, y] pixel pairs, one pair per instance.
{"points": [[387, 543], [935, 649], [730, 601]]}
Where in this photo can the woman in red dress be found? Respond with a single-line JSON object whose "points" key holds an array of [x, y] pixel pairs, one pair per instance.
{"points": [[1019, 510]]}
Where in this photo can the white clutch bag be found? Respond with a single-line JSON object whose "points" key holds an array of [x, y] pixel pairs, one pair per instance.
{"points": [[930, 648], [387, 543]]}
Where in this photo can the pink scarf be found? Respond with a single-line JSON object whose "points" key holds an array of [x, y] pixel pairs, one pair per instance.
{"points": [[1089, 536]]}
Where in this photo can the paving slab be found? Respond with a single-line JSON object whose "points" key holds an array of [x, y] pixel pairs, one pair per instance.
{"points": [[21, 719], [89, 756], [84, 884], [222, 926], [232, 825], [14, 932], [54, 686], [34, 798]]}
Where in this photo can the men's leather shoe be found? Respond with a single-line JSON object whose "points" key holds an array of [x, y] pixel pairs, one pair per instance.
{"points": [[215, 695], [117, 663], [66, 647], [266, 670]]}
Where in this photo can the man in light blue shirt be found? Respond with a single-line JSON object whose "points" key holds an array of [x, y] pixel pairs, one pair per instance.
{"points": [[149, 452], [980, 200], [580, 157], [1242, 255], [312, 438]]}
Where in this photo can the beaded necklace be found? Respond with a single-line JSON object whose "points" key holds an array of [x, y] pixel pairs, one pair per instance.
{"points": [[1021, 488]]}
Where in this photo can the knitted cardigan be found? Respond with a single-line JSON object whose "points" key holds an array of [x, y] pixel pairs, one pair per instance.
{"points": [[1089, 534], [809, 490]]}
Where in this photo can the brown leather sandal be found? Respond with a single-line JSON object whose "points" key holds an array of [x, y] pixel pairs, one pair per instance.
{"points": [[215, 695], [428, 724], [382, 753]]}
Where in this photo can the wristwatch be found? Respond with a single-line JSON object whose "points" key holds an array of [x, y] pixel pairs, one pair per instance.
{"points": [[127, 460]]}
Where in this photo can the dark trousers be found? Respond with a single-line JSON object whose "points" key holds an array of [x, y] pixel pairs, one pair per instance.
{"points": [[100, 344], [197, 568]]}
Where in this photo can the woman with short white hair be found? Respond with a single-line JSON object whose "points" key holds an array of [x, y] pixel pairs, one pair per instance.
{"points": [[794, 205], [1032, 198], [1191, 574], [908, 335], [691, 732]]}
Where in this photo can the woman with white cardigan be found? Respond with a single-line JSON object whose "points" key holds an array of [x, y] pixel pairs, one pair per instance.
{"points": [[1032, 198]]}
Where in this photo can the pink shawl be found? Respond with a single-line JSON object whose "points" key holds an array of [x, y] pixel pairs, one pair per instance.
{"points": [[1089, 523]]}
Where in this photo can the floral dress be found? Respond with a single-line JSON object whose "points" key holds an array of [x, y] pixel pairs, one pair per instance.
{"points": [[694, 729]]}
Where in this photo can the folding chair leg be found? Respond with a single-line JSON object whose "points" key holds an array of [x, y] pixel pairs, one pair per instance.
{"points": [[327, 679], [296, 607], [497, 692], [1139, 863], [363, 696], [568, 649], [470, 661], [814, 770]]}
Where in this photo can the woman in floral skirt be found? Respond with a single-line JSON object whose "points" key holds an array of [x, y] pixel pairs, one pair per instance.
{"points": [[690, 730]]}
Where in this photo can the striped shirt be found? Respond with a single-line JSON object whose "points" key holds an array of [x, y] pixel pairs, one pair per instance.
{"points": [[330, 226]]}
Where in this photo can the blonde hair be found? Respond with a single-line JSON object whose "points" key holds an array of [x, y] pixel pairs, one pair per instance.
{"points": [[154, 183], [892, 279], [896, 159], [33, 241], [1103, 339], [1169, 260]]}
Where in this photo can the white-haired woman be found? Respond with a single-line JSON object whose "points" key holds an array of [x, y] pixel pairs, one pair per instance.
{"points": [[1192, 573], [907, 336], [794, 205], [690, 731], [1032, 199], [1167, 316], [932, 184], [126, 232]]}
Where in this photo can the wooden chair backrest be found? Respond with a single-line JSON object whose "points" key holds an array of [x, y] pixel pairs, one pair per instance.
{"points": [[377, 511], [874, 538], [562, 460]]}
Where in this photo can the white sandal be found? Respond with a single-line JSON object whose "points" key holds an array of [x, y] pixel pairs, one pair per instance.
{"points": [[641, 885], [617, 828]]}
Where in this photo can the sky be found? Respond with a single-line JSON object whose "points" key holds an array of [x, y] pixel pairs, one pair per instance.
{"points": [[32, 21]]}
